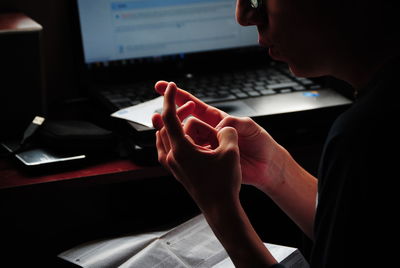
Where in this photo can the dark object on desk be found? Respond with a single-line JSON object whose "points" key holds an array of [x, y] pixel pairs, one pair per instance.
{"points": [[35, 158], [21, 88], [63, 145], [29, 132], [78, 137]]}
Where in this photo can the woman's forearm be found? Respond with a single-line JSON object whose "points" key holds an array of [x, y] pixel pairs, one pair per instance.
{"points": [[235, 232], [295, 193]]}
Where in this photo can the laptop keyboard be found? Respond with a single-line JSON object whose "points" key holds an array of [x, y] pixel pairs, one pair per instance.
{"points": [[243, 85], [216, 88]]}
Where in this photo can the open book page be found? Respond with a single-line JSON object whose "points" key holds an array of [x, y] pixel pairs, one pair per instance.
{"points": [[155, 255], [284, 255], [191, 244], [195, 243], [109, 252]]}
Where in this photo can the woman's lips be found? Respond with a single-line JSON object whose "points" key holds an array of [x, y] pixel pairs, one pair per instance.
{"points": [[272, 50]]}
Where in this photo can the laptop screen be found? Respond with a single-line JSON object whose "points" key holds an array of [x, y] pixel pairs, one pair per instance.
{"points": [[139, 29]]}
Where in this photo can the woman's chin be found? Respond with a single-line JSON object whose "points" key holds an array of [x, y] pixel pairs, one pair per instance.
{"points": [[275, 54]]}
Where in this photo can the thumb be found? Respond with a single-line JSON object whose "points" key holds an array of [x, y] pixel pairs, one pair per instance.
{"points": [[228, 139], [244, 126]]}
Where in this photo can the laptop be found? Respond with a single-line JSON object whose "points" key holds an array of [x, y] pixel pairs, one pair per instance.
{"points": [[129, 45]]}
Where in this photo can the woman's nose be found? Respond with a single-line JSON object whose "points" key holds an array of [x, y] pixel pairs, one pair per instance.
{"points": [[247, 15]]}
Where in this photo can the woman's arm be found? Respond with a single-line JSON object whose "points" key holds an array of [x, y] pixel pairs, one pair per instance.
{"points": [[295, 193], [264, 163], [212, 177]]}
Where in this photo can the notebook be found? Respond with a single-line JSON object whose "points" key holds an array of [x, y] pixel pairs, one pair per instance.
{"points": [[129, 45]]}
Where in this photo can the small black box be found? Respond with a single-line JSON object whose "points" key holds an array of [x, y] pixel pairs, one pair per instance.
{"points": [[21, 74]]}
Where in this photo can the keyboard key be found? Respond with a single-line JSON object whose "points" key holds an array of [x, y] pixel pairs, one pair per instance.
{"points": [[315, 87], [259, 88], [224, 88], [211, 94], [247, 89], [210, 99], [210, 88], [259, 83], [267, 92], [305, 81], [285, 90], [282, 85], [236, 90], [241, 95], [223, 92], [254, 93], [299, 87]]}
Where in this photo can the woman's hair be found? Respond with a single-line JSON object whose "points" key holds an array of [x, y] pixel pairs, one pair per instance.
{"points": [[390, 18]]}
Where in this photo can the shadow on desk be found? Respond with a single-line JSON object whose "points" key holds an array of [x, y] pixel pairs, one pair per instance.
{"points": [[39, 223]]}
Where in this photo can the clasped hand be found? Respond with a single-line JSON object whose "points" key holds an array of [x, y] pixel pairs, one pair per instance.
{"points": [[212, 153]]}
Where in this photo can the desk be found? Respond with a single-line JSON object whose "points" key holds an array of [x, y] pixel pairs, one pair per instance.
{"points": [[43, 215], [112, 171], [117, 197]]}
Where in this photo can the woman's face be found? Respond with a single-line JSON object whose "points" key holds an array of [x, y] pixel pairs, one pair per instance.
{"points": [[294, 31]]}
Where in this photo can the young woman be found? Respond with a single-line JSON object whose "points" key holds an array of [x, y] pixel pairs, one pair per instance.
{"points": [[349, 211]]}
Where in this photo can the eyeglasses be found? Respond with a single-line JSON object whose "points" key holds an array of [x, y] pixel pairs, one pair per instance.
{"points": [[256, 3]]}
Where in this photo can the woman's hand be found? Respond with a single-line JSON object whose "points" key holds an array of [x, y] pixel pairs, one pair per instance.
{"points": [[210, 172], [261, 158]]}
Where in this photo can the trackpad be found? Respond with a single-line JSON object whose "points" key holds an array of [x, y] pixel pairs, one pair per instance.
{"points": [[235, 108]]}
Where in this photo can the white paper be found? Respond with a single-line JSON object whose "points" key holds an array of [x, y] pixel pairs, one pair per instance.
{"points": [[142, 112], [191, 244], [109, 252]]}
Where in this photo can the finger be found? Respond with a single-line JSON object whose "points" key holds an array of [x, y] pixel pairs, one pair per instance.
{"points": [[190, 139], [165, 139], [156, 119], [161, 87], [182, 96], [228, 140], [185, 110], [203, 111], [170, 118], [182, 112], [162, 154], [201, 133]]}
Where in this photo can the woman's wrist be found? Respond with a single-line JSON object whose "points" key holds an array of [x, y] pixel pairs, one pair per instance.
{"points": [[276, 173], [232, 227], [219, 206]]}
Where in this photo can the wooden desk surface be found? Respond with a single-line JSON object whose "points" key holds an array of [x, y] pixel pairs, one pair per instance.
{"points": [[112, 171]]}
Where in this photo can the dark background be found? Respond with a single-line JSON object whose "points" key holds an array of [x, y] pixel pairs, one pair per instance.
{"points": [[55, 17]]}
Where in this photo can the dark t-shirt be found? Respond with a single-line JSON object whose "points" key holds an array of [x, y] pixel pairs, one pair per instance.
{"points": [[358, 200]]}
